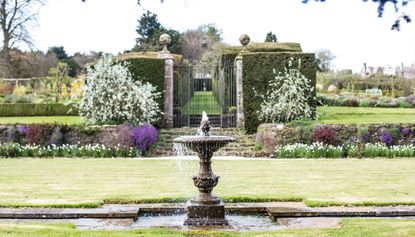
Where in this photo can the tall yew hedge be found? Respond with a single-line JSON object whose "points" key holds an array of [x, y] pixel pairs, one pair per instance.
{"points": [[258, 71]]}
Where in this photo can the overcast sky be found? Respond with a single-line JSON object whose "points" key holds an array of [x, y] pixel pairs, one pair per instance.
{"points": [[349, 28]]}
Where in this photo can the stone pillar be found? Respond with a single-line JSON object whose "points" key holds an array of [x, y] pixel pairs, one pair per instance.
{"points": [[168, 80], [240, 117]]}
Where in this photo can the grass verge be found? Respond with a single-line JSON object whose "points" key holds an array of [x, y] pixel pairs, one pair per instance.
{"points": [[348, 227], [362, 115]]}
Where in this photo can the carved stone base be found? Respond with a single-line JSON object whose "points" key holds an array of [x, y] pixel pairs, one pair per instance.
{"points": [[205, 215]]}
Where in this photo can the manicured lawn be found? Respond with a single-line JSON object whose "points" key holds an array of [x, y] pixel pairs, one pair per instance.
{"points": [[70, 120], [318, 182], [361, 115], [202, 101], [206, 101], [349, 227]]}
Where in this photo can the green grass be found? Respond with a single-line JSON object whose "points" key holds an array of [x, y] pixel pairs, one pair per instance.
{"points": [[70, 120], [202, 101], [348, 227], [89, 182], [361, 115], [206, 101]]}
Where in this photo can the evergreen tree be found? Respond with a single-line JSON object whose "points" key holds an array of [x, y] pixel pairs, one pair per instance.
{"points": [[271, 37], [149, 30]]}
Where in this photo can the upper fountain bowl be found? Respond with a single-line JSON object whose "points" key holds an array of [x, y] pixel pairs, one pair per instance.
{"points": [[204, 143]]}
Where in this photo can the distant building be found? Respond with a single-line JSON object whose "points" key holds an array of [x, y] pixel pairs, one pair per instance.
{"points": [[407, 72]]}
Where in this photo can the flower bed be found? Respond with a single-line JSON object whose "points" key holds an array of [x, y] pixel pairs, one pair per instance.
{"points": [[271, 135], [10, 150], [320, 150], [366, 101], [46, 140]]}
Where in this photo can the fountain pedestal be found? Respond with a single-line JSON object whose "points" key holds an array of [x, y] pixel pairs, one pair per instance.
{"points": [[205, 209]]}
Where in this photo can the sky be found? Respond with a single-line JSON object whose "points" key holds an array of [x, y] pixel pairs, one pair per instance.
{"points": [[349, 28]]}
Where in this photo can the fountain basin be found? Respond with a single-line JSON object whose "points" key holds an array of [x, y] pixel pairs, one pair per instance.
{"points": [[203, 143]]}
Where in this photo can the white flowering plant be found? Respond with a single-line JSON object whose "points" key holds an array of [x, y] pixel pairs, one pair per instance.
{"points": [[288, 96], [111, 95], [320, 150]]}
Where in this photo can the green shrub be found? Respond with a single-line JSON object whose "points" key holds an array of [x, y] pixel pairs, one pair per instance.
{"points": [[364, 103], [10, 99]]}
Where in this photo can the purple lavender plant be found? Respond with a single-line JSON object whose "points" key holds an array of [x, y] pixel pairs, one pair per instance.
{"points": [[406, 132], [144, 136], [386, 138], [21, 129]]}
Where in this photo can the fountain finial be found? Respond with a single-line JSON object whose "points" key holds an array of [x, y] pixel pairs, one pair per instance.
{"points": [[204, 129]]}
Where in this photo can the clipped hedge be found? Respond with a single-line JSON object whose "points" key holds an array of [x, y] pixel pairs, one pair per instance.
{"points": [[229, 53], [258, 71], [16, 110]]}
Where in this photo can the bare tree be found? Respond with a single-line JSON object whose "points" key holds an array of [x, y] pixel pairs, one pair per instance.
{"points": [[324, 57], [16, 16]]}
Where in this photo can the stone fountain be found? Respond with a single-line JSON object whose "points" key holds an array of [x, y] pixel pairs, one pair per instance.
{"points": [[205, 209]]}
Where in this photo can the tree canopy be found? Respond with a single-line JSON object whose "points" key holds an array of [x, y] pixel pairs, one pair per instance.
{"points": [[149, 30]]}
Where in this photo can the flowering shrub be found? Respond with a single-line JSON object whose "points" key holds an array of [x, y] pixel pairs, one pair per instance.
{"points": [[324, 135], [144, 136], [110, 94], [287, 97], [95, 151]]}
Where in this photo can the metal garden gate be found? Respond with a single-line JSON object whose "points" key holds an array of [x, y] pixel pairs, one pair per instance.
{"points": [[204, 88]]}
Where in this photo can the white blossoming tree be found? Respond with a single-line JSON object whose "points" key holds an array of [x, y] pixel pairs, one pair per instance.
{"points": [[111, 95], [288, 96]]}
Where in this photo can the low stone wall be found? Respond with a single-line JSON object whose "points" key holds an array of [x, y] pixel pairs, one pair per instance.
{"points": [[105, 135], [271, 135]]}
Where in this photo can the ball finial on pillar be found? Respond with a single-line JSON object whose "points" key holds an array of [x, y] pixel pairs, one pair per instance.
{"points": [[244, 40], [165, 40]]}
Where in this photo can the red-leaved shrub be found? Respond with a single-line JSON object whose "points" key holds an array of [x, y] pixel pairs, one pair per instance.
{"points": [[33, 134], [325, 135]]}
